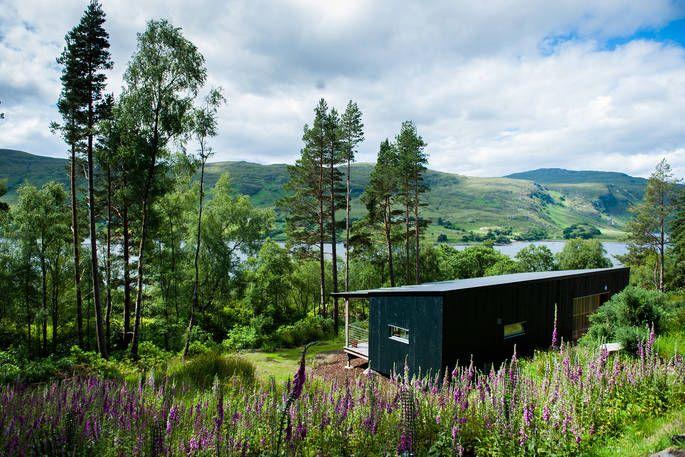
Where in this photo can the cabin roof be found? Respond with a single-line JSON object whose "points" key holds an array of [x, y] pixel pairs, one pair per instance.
{"points": [[442, 287]]}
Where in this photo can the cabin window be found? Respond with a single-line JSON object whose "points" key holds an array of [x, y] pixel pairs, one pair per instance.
{"points": [[514, 330], [582, 308], [399, 334]]}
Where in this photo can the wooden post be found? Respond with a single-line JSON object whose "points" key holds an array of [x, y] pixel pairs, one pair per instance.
{"points": [[347, 322]]}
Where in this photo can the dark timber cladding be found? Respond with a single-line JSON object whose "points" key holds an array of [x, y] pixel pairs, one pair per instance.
{"points": [[432, 326]]}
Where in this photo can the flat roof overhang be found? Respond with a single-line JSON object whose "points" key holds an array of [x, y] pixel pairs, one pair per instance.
{"points": [[443, 287]]}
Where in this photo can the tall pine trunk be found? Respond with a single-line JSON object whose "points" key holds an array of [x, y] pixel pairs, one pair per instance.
{"points": [[108, 264], [27, 305], [196, 261], [95, 274], [127, 274], [322, 235], [388, 239], [334, 253], [76, 247], [347, 227], [44, 300], [407, 236], [417, 229], [55, 298]]}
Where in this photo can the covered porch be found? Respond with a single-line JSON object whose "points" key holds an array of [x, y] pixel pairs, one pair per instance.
{"points": [[356, 345]]}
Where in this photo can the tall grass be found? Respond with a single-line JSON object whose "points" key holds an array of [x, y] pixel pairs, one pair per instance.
{"points": [[201, 370]]}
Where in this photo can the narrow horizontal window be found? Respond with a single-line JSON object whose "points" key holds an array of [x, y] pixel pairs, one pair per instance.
{"points": [[399, 334], [515, 329]]}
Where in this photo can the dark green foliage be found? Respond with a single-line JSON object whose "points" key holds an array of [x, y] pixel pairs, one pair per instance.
{"points": [[583, 231], [448, 224], [442, 238], [495, 235], [677, 250], [533, 234], [306, 330], [201, 370], [627, 317], [16, 367]]}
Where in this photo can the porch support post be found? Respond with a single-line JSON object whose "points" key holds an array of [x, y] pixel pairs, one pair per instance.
{"points": [[347, 322]]}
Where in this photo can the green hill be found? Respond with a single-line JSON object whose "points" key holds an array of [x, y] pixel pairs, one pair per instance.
{"points": [[17, 167], [549, 198], [609, 193]]}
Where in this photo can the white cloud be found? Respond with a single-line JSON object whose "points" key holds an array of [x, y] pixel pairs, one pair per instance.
{"points": [[494, 87]]}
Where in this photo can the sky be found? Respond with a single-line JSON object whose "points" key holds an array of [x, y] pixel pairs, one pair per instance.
{"points": [[494, 87]]}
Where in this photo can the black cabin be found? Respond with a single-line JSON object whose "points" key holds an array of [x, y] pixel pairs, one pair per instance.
{"points": [[434, 325]]}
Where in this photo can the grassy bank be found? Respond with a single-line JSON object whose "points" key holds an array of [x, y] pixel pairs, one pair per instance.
{"points": [[282, 363]]}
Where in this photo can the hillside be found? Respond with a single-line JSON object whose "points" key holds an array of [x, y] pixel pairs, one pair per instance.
{"points": [[551, 198], [609, 193], [17, 167]]}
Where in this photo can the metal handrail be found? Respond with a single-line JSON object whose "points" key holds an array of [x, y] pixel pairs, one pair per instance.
{"points": [[359, 331]]}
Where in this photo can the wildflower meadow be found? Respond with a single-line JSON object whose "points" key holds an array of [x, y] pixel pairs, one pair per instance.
{"points": [[559, 403]]}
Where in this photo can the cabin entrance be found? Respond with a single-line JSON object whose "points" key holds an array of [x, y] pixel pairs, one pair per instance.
{"points": [[356, 344]]}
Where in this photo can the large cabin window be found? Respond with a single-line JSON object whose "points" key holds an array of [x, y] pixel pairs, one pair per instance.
{"points": [[399, 334], [582, 308]]}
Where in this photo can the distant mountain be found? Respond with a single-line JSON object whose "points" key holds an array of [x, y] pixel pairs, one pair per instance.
{"points": [[17, 167], [549, 198], [609, 192]]}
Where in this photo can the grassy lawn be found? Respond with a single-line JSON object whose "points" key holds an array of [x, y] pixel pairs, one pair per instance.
{"points": [[646, 437], [282, 363]]}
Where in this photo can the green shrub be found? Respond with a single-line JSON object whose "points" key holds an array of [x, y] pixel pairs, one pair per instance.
{"points": [[88, 363], [311, 328], [14, 366], [242, 337], [201, 370], [626, 317], [199, 347], [151, 357]]}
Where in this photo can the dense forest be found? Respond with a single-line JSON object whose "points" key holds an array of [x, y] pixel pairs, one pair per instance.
{"points": [[137, 262]]}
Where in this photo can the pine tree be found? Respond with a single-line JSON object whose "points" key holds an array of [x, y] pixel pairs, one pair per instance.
{"points": [[85, 59], [352, 134], [380, 195], [648, 231], [412, 166], [305, 205], [333, 157]]}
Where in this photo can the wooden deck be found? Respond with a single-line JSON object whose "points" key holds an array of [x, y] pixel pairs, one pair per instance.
{"points": [[361, 351]]}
